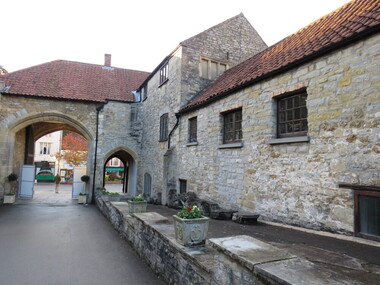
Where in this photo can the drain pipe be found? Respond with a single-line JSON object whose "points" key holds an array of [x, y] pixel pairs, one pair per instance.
{"points": [[99, 108], [172, 131]]}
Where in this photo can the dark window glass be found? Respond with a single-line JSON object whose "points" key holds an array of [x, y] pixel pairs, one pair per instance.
{"points": [[164, 73], [292, 116], [182, 186], [232, 131], [164, 127], [193, 129]]}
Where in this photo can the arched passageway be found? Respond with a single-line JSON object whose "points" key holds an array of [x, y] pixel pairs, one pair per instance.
{"points": [[128, 181], [24, 133]]}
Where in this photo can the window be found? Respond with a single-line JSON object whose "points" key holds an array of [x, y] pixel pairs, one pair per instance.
{"points": [[147, 184], [232, 131], [292, 116], [367, 214], [211, 68], [193, 129], [144, 92], [45, 148], [164, 127], [182, 186], [134, 113], [164, 73]]}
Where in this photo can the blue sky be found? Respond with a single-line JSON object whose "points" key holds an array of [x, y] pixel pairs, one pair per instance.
{"points": [[138, 34]]}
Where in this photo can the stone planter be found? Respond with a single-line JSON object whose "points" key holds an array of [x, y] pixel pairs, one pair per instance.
{"points": [[190, 232], [82, 199], [9, 199], [136, 206]]}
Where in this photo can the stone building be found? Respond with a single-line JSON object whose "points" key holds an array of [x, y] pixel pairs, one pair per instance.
{"points": [[290, 131]]}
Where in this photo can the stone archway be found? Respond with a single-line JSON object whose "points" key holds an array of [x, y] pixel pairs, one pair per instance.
{"points": [[128, 157], [23, 132]]}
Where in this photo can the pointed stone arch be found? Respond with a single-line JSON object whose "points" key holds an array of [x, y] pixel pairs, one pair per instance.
{"points": [[129, 159]]}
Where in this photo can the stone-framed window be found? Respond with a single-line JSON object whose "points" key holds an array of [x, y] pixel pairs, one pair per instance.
{"points": [[182, 186], [210, 68], [367, 214], [147, 184], [45, 148], [232, 126], [164, 73], [144, 92], [164, 127], [292, 115], [193, 130]]}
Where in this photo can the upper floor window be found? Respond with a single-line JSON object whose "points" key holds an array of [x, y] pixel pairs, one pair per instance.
{"points": [[211, 68], [193, 129], [164, 73], [232, 130], [292, 115], [144, 92], [164, 127], [45, 148]]}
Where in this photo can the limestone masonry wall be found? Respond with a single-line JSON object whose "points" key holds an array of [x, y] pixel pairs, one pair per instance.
{"points": [[295, 183]]}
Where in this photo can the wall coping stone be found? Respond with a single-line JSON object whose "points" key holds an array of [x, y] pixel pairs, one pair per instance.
{"points": [[152, 236]]}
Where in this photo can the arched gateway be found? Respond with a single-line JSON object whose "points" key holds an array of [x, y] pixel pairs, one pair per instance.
{"points": [[58, 96]]}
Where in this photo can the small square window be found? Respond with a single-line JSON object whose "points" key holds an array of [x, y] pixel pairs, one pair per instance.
{"points": [[232, 126], [292, 116], [193, 129]]}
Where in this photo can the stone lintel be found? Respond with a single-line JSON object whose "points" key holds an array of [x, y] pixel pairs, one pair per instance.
{"points": [[249, 251]]}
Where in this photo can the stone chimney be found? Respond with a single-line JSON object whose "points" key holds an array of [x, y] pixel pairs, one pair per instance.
{"points": [[107, 60]]}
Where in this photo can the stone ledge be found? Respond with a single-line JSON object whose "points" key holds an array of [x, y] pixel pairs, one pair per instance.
{"points": [[289, 140], [239, 260]]}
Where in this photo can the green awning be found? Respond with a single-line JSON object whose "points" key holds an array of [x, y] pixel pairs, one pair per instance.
{"points": [[114, 168]]}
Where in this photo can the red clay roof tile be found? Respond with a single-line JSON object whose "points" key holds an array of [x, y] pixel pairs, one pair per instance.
{"points": [[75, 81], [342, 24]]}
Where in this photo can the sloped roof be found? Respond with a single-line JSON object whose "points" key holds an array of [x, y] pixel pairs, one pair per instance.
{"points": [[354, 19], [70, 80]]}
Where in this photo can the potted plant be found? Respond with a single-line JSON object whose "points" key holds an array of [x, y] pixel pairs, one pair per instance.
{"points": [[10, 197], [190, 226], [82, 198], [137, 205], [85, 178]]}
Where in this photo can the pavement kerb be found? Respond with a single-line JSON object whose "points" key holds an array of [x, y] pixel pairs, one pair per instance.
{"points": [[326, 234]]}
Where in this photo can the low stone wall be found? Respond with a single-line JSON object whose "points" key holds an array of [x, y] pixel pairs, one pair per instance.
{"points": [[235, 260]]}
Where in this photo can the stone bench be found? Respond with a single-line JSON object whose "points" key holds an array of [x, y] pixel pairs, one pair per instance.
{"points": [[245, 218]]}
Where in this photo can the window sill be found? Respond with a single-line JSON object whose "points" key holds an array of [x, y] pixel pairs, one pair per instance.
{"points": [[163, 83], [192, 144], [231, 145], [163, 140], [289, 140]]}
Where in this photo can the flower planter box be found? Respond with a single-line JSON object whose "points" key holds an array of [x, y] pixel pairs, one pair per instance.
{"points": [[82, 199], [136, 206], [9, 199], [190, 232]]}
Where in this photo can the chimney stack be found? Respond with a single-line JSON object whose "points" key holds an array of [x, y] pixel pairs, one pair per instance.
{"points": [[107, 60]]}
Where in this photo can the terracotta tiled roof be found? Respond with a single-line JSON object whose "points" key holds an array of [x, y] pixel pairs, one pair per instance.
{"points": [[339, 27], [75, 81]]}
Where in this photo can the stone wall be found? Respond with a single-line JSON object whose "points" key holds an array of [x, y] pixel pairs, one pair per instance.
{"points": [[294, 183], [116, 131], [220, 42]]}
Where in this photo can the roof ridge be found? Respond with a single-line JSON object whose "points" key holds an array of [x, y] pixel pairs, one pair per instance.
{"points": [[330, 31]]}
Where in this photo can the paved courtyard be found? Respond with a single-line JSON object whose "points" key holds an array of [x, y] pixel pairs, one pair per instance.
{"points": [[53, 240]]}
